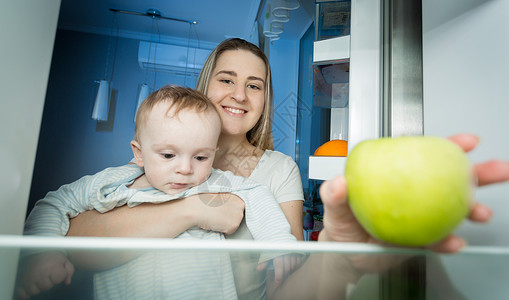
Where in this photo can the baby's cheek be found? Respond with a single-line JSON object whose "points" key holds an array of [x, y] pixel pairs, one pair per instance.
{"points": [[201, 179]]}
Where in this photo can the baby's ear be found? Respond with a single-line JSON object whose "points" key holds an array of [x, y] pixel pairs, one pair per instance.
{"points": [[136, 147]]}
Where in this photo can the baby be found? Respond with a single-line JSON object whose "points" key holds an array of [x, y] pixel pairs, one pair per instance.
{"points": [[174, 146]]}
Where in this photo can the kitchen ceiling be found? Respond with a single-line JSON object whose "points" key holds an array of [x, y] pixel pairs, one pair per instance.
{"points": [[216, 20]]}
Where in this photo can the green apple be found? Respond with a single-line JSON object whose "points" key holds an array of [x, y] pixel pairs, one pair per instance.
{"points": [[410, 191]]}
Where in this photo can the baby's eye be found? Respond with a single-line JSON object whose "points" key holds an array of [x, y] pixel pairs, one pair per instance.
{"points": [[201, 158], [168, 155]]}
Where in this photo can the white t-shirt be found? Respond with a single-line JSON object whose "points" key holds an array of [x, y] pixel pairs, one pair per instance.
{"points": [[280, 173]]}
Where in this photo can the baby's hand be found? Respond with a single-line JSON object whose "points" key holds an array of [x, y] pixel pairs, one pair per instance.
{"points": [[40, 272], [283, 266]]}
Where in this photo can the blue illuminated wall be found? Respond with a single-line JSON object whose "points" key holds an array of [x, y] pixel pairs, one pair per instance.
{"points": [[284, 57], [71, 144]]}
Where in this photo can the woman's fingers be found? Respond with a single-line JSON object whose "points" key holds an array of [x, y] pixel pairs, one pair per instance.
{"points": [[450, 244], [339, 222], [480, 213], [221, 212], [489, 172], [333, 194], [467, 142], [493, 171]]}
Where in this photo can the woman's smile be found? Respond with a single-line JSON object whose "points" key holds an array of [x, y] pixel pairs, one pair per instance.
{"points": [[236, 112]]}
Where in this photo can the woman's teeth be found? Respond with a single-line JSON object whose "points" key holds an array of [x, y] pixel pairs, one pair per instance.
{"points": [[235, 110]]}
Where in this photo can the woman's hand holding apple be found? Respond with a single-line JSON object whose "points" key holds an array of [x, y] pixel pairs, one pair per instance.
{"points": [[341, 225]]}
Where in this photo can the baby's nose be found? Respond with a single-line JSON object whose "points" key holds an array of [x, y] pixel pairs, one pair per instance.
{"points": [[184, 167]]}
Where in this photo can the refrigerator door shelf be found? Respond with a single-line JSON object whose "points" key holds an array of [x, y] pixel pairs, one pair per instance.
{"points": [[326, 167], [335, 49]]}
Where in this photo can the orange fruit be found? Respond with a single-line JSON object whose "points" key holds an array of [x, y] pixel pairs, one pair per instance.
{"points": [[333, 148]]}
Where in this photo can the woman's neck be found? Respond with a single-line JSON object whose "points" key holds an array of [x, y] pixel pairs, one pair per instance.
{"points": [[235, 145], [237, 155]]}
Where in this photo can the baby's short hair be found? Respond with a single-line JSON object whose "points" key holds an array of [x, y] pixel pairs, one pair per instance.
{"points": [[180, 98]]}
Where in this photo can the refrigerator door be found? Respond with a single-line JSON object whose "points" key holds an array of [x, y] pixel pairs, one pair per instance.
{"points": [[365, 81]]}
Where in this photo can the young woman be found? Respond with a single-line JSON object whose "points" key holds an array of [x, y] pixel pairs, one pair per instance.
{"points": [[237, 79]]}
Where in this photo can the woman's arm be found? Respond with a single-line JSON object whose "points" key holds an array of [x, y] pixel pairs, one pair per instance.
{"points": [[293, 213], [165, 220], [218, 212]]}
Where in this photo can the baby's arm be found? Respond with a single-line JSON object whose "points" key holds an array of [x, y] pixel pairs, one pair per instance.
{"points": [[50, 215], [40, 272]]}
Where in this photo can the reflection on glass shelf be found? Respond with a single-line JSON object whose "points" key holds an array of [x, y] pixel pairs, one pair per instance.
{"points": [[108, 268]]}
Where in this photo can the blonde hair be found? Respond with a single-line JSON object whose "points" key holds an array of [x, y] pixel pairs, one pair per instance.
{"points": [[260, 135], [180, 98]]}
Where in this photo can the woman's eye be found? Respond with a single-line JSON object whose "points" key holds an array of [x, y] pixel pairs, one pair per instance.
{"points": [[201, 158], [168, 155], [254, 87], [227, 81]]}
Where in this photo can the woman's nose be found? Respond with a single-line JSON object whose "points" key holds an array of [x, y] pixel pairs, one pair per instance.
{"points": [[239, 94]]}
